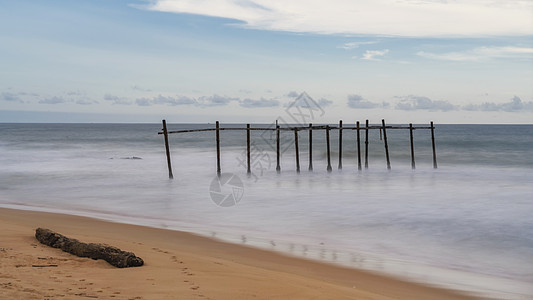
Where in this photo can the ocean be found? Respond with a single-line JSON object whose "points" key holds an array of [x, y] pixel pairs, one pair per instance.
{"points": [[466, 225]]}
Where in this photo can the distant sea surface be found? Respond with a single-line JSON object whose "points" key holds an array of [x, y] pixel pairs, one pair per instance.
{"points": [[466, 225]]}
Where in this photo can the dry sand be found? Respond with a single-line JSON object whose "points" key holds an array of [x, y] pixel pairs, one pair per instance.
{"points": [[178, 265]]}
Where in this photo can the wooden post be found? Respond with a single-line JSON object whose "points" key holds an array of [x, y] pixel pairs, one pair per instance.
{"points": [[433, 144], [340, 144], [249, 171], [310, 147], [278, 167], [218, 147], [297, 151], [328, 152], [358, 147], [412, 146], [386, 144], [366, 144], [167, 148]]}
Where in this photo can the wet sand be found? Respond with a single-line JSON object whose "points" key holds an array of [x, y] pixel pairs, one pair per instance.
{"points": [[178, 265]]}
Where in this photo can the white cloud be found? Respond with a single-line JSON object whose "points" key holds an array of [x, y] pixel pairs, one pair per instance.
{"points": [[293, 94], [10, 97], [515, 104], [53, 100], [357, 101], [174, 101], [215, 100], [140, 88], [165, 100], [86, 101], [116, 100], [250, 103], [481, 53], [378, 17], [144, 102], [323, 102], [353, 45], [419, 102], [374, 54]]}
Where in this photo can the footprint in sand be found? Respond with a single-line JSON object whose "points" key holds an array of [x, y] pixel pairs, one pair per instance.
{"points": [[291, 247], [159, 250]]}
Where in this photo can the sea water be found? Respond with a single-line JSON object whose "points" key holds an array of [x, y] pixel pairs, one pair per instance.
{"points": [[467, 225]]}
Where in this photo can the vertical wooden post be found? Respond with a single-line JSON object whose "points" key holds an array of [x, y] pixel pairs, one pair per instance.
{"points": [[278, 167], [358, 147], [433, 145], [167, 148], [366, 144], [340, 144], [248, 171], [412, 146], [310, 147], [328, 152], [297, 150], [386, 144], [218, 147]]}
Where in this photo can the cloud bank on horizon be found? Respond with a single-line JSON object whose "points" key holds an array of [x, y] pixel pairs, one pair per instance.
{"points": [[440, 18], [353, 101]]}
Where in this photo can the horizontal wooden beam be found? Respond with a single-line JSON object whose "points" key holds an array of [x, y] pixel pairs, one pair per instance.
{"points": [[292, 128]]}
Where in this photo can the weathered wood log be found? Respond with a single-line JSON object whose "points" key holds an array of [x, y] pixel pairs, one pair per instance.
{"points": [[113, 255]]}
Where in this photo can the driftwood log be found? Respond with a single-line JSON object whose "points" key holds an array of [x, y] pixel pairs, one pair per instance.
{"points": [[112, 255]]}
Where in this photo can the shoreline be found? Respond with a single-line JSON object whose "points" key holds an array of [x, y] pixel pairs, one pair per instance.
{"points": [[177, 265]]}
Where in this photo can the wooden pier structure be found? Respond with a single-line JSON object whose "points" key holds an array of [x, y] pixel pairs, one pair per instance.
{"points": [[327, 128]]}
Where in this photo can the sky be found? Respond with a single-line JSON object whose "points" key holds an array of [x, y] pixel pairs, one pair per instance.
{"points": [[241, 61]]}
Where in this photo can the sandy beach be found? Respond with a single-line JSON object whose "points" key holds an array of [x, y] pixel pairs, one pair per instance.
{"points": [[178, 265]]}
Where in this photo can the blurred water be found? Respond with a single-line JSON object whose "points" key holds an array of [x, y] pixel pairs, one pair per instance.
{"points": [[466, 225]]}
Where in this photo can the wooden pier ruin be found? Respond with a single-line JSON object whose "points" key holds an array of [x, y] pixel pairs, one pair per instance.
{"points": [[327, 128]]}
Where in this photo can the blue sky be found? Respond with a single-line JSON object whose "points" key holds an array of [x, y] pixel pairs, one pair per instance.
{"points": [[245, 61]]}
